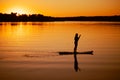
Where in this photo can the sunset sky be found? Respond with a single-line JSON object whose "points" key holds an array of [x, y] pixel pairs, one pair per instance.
{"points": [[62, 7]]}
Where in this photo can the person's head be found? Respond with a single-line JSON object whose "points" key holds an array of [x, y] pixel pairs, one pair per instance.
{"points": [[76, 34]]}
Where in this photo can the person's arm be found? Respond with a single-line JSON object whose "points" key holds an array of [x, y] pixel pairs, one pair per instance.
{"points": [[79, 36]]}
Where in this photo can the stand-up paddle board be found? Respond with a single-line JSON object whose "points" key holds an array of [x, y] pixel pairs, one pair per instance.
{"points": [[70, 53]]}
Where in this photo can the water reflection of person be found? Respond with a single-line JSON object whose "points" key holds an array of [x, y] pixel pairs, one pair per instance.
{"points": [[76, 67], [75, 51]]}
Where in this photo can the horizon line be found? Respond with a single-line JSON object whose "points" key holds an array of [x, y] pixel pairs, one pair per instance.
{"points": [[18, 14]]}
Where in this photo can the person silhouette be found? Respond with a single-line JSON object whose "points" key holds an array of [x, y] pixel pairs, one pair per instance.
{"points": [[76, 38]]}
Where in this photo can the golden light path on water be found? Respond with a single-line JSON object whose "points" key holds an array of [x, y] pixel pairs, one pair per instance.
{"points": [[55, 35]]}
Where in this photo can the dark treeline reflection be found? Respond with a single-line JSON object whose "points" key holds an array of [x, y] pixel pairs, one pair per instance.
{"points": [[39, 17], [22, 23]]}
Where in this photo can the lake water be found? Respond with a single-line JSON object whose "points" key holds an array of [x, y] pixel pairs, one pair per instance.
{"points": [[29, 50]]}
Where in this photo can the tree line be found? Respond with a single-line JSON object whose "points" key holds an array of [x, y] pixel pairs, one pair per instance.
{"points": [[13, 17]]}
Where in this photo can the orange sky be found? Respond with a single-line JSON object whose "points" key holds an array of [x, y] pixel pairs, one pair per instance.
{"points": [[62, 7]]}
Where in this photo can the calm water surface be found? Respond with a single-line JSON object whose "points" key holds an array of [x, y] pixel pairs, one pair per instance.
{"points": [[42, 40], [32, 37]]}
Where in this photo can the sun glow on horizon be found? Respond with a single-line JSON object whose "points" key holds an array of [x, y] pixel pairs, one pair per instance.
{"points": [[18, 10], [62, 8]]}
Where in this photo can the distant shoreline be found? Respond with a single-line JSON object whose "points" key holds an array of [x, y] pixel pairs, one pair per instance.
{"points": [[13, 17]]}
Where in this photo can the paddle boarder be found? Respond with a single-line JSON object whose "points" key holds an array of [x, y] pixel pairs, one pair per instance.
{"points": [[76, 38]]}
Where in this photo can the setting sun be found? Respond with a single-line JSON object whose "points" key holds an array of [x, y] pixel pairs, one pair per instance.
{"points": [[18, 10]]}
